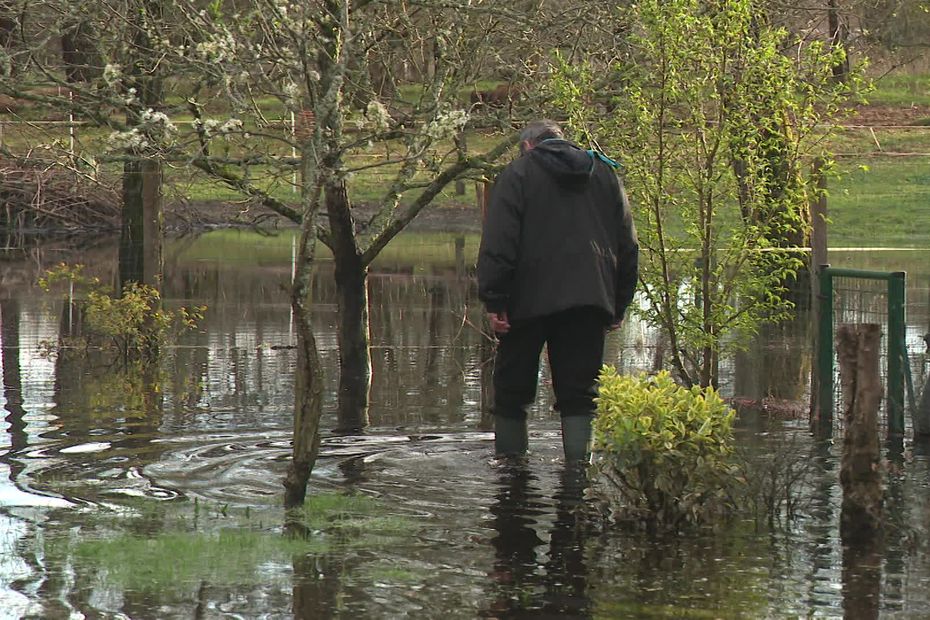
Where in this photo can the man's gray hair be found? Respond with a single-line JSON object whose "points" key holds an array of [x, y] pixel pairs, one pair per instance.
{"points": [[537, 131]]}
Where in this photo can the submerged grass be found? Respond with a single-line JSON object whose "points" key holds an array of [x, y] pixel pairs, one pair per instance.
{"points": [[224, 549], [175, 559], [389, 573], [356, 520]]}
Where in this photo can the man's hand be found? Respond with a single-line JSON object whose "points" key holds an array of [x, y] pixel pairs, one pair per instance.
{"points": [[499, 322], [615, 326]]}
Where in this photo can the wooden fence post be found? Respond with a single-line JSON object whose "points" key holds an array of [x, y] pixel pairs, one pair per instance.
{"points": [[817, 260], [858, 348]]}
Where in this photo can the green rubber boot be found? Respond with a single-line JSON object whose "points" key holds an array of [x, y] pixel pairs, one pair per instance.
{"points": [[510, 436], [576, 437]]}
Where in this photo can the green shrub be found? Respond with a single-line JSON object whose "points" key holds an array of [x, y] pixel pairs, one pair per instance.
{"points": [[662, 452], [133, 324]]}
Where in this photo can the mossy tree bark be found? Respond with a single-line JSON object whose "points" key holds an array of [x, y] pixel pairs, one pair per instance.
{"points": [[308, 385], [319, 161], [9, 24]]}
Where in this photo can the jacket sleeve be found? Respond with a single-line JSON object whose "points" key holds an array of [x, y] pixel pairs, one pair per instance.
{"points": [[627, 257], [500, 242]]}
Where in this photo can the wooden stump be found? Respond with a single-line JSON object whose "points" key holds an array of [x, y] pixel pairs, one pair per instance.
{"points": [[860, 470]]}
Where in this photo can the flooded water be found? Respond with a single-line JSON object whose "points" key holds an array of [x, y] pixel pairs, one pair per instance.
{"points": [[94, 452]]}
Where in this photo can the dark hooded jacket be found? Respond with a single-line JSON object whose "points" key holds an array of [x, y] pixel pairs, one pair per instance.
{"points": [[558, 234]]}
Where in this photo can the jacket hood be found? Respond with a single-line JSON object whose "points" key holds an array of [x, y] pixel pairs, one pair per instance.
{"points": [[564, 160]]}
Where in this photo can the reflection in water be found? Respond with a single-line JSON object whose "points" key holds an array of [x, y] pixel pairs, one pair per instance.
{"points": [[785, 352], [212, 423], [862, 579], [317, 586], [529, 580], [12, 382], [515, 542]]}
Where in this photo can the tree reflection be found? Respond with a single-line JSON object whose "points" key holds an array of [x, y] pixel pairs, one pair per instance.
{"points": [[12, 379], [776, 365], [317, 585], [862, 579]]}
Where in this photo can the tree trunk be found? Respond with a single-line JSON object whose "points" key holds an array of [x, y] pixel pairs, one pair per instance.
{"points": [[838, 36], [818, 258], [141, 235], [81, 60], [308, 388], [9, 24], [140, 251], [352, 298], [708, 359], [863, 496]]}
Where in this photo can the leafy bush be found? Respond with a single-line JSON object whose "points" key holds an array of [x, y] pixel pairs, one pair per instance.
{"points": [[662, 452], [134, 323]]}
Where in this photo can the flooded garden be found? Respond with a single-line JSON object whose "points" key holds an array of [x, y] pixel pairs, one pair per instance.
{"points": [[138, 493], [262, 317]]}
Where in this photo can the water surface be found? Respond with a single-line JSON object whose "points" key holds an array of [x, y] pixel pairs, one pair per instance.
{"points": [[91, 450]]}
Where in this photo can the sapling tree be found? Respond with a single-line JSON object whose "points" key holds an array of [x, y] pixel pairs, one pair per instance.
{"points": [[132, 324], [714, 116], [313, 60], [401, 114]]}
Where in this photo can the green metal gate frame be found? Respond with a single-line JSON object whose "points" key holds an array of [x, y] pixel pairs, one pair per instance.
{"points": [[894, 387]]}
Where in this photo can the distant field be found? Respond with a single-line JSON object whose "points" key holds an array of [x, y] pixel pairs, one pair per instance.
{"points": [[901, 90], [879, 193], [885, 204]]}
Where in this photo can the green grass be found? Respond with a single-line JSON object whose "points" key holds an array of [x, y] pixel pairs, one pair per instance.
{"points": [[881, 201], [901, 90], [180, 559], [879, 141], [426, 250], [357, 519], [877, 199], [185, 183]]}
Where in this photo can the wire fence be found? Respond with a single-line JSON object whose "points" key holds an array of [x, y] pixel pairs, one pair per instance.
{"points": [[851, 296]]}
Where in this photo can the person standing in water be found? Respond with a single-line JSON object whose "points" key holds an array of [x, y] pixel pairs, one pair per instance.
{"points": [[558, 265]]}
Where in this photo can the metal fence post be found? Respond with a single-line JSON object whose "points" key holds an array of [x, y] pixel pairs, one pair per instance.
{"points": [[896, 326], [825, 349]]}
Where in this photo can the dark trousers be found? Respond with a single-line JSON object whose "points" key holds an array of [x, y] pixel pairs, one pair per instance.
{"points": [[574, 339]]}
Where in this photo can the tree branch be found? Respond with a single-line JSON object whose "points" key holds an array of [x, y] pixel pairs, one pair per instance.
{"points": [[399, 222]]}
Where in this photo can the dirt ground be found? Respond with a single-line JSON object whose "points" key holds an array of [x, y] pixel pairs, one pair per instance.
{"points": [[884, 116]]}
